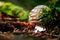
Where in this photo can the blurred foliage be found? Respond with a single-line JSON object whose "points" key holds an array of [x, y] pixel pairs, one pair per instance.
{"points": [[32, 3], [14, 10]]}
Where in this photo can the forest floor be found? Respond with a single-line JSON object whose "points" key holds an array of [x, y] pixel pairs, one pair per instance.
{"points": [[20, 37]]}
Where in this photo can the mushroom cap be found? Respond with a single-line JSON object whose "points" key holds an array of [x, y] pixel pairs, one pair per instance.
{"points": [[37, 12]]}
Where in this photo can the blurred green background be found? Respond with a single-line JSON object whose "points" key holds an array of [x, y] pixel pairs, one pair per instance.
{"points": [[29, 4]]}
